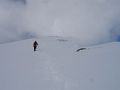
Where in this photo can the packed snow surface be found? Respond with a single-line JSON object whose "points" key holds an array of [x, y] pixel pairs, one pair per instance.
{"points": [[57, 66]]}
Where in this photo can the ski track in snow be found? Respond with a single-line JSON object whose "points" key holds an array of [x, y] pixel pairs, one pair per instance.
{"points": [[55, 75]]}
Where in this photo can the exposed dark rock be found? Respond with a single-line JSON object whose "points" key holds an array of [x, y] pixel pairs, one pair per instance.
{"points": [[80, 49]]}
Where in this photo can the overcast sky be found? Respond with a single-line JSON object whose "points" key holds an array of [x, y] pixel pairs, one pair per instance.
{"points": [[92, 21]]}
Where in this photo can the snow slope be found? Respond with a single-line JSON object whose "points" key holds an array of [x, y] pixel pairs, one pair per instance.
{"points": [[57, 66]]}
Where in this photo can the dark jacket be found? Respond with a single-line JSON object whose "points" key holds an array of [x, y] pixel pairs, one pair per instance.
{"points": [[35, 44]]}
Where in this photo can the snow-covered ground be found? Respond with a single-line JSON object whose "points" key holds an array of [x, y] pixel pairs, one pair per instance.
{"points": [[57, 66]]}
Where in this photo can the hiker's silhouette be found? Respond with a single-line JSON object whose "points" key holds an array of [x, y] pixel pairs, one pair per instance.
{"points": [[35, 44]]}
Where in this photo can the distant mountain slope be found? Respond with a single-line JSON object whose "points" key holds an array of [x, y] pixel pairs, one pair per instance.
{"points": [[57, 66]]}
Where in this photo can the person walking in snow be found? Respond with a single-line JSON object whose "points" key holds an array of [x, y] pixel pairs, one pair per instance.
{"points": [[35, 44]]}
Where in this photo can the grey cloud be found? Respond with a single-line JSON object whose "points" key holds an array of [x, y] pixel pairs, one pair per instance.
{"points": [[92, 21]]}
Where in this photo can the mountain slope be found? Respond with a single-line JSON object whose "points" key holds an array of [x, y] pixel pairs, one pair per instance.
{"points": [[57, 66]]}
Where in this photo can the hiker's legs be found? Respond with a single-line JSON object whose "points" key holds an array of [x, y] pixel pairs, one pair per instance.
{"points": [[35, 48]]}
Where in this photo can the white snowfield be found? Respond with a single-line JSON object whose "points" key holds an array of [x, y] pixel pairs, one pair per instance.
{"points": [[57, 66]]}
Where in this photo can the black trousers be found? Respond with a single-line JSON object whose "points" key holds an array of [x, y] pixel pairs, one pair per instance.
{"points": [[35, 47]]}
